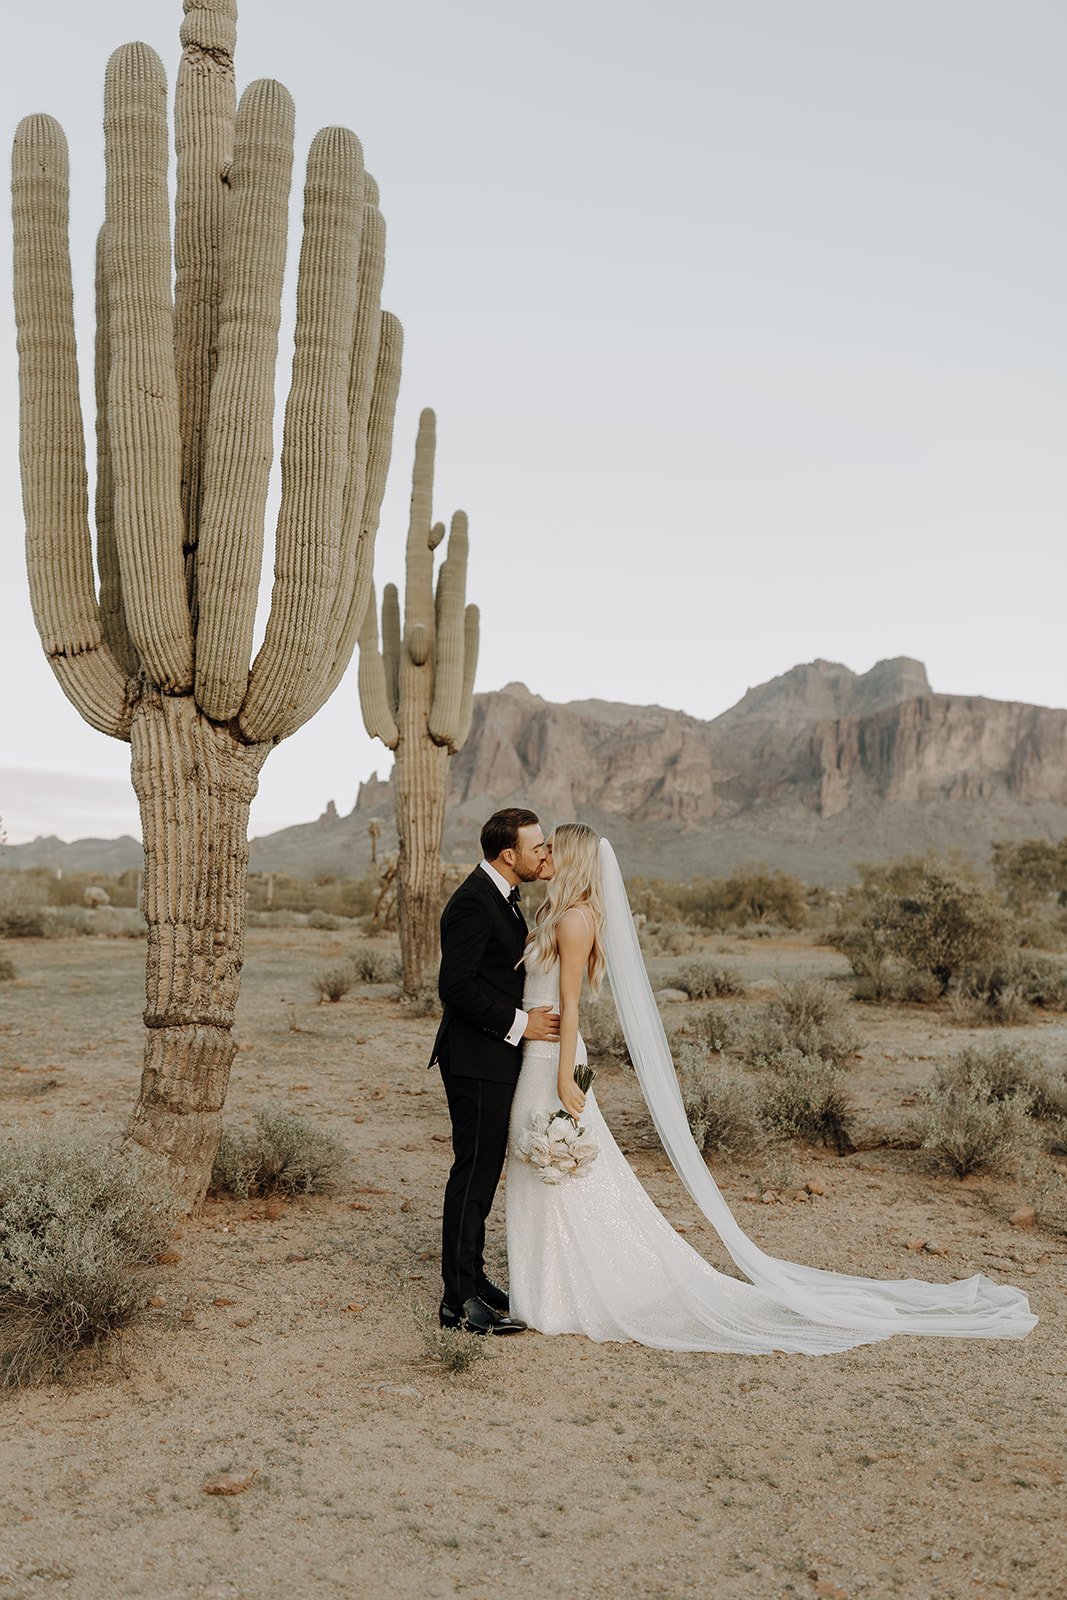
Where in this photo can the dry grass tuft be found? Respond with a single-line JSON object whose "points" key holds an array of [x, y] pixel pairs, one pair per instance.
{"points": [[283, 1154]]}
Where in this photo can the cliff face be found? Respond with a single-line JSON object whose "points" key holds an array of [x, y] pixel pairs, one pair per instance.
{"points": [[811, 772]]}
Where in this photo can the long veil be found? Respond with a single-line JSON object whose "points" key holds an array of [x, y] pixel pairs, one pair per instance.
{"points": [[972, 1307]]}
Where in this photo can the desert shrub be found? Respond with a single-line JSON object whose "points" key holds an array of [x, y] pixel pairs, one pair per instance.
{"points": [[806, 1018], [716, 1027], [749, 895], [372, 965], [425, 1002], [721, 1104], [602, 1030], [704, 980], [323, 921], [1009, 990], [1031, 873], [666, 938], [7, 970], [22, 901], [967, 1128], [923, 915], [1004, 1072], [333, 983], [282, 1154], [805, 1097], [77, 1223], [450, 1348]]}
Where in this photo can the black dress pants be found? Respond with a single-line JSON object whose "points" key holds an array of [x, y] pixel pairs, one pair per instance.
{"points": [[479, 1109]]}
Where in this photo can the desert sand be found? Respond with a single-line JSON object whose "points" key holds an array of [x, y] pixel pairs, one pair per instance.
{"points": [[287, 1349]]}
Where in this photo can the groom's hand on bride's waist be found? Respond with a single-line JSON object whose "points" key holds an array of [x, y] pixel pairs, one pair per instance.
{"points": [[542, 1025]]}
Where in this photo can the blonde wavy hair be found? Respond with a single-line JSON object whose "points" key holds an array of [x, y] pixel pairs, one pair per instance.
{"points": [[576, 856]]}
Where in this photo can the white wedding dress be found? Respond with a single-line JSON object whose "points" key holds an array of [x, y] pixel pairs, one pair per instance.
{"points": [[594, 1255]]}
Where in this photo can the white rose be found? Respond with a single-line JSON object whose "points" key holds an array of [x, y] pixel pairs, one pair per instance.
{"points": [[550, 1175], [568, 1164], [538, 1149], [585, 1150]]}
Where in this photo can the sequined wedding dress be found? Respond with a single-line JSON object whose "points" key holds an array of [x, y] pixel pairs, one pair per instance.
{"points": [[595, 1256]]}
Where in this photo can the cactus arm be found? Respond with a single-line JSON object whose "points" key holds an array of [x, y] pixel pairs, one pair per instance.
{"points": [[373, 698], [391, 645], [143, 389], [112, 614], [315, 441], [471, 629], [52, 449], [236, 468], [445, 714], [418, 590], [204, 110], [378, 449]]}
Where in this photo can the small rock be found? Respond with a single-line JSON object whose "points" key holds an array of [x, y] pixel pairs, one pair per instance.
{"points": [[295, 1255], [355, 1306], [671, 995], [1023, 1217], [230, 1482], [768, 1197], [243, 1322], [935, 1248], [221, 1300], [830, 1591], [915, 1243], [815, 1187], [802, 1194], [157, 1301], [405, 1389], [751, 1196]]}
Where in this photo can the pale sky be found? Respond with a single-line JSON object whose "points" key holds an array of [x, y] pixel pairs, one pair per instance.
{"points": [[743, 321]]}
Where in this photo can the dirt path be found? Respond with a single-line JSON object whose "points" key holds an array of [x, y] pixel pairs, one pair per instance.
{"points": [[288, 1345]]}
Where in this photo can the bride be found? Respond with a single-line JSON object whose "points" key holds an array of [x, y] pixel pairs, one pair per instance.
{"points": [[595, 1256]]}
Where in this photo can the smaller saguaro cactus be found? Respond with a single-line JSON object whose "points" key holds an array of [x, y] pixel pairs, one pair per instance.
{"points": [[417, 695]]}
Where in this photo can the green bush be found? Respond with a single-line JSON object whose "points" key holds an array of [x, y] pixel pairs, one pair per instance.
{"points": [[807, 1018], [805, 1097], [721, 1104], [78, 1224], [704, 980], [968, 1128], [283, 1154]]}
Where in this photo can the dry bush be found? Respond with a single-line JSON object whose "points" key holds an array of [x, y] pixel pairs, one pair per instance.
{"points": [[282, 1154], [451, 1348], [807, 1018], [666, 938], [372, 965], [333, 983], [704, 980], [805, 1097], [967, 1128], [323, 921], [78, 1223], [425, 1002], [602, 1030], [721, 1104], [22, 906], [7, 970], [749, 895], [1007, 1071], [717, 1028]]}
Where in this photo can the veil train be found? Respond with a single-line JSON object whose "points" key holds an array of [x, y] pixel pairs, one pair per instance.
{"points": [[975, 1308]]}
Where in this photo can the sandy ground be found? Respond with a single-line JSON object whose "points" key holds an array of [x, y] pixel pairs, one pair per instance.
{"points": [[288, 1344]]}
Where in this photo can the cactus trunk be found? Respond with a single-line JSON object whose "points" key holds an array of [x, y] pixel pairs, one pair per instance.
{"points": [[416, 695], [195, 783], [420, 780]]}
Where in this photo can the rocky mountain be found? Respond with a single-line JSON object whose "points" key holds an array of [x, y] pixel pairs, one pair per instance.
{"points": [[812, 771]]}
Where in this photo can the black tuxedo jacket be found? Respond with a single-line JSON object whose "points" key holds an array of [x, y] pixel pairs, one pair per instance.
{"points": [[481, 982]]}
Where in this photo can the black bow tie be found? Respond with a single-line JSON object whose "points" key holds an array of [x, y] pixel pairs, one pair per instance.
{"points": [[513, 898]]}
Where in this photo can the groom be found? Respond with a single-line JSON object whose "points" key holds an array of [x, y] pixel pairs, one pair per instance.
{"points": [[478, 1049]]}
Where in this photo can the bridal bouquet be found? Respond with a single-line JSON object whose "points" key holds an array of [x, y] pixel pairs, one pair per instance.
{"points": [[555, 1144]]}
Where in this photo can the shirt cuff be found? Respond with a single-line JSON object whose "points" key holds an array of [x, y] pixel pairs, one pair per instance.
{"points": [[518, 1028]]}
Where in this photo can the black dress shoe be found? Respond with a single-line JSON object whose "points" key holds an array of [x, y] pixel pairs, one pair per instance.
{"points": [[476, 1317], [494, 1296]]}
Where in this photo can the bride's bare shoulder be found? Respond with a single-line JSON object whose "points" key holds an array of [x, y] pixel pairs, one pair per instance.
{"points": [[575, 929]]}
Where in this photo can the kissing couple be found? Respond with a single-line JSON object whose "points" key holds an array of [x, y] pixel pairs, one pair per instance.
{"points": [[596, 1257]]}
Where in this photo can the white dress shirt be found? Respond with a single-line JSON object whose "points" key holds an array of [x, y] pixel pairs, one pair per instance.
{"points": [[518, 1027]]}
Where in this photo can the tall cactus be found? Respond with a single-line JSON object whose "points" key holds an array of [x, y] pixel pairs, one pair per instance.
{"points": [[417, 694], [185, 400]]}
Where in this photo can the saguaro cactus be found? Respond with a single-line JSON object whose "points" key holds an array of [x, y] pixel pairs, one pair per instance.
{"points": [[417, 694], [185, 388]]}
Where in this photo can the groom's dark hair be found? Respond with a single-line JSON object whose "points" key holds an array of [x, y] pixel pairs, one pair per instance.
{"points": [[501, 832]]}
